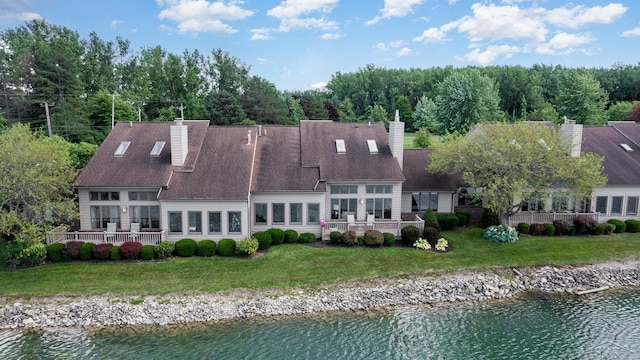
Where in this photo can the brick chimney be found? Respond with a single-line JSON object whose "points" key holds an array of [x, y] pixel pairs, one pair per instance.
{"points": [[179, 143], [396, 138]]}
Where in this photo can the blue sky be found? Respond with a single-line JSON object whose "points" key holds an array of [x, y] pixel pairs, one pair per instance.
{"points": [[300, 44]]}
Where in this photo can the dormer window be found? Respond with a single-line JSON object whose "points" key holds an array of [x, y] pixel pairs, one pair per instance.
{"points": [[340, 148], [373, 147], [122, 148], [626, 147], [157, 149]]}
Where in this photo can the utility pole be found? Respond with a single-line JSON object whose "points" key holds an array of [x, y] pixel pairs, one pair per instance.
{"points": [[113, 110], [46, 110]]}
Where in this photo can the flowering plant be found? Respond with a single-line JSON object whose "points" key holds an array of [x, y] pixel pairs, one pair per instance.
{"points": [[442, 244], [422, 244], [323, 223], [501, 233]]}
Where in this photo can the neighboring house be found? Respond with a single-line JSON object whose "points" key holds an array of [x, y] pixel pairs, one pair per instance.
{"points": [[189, 179]]}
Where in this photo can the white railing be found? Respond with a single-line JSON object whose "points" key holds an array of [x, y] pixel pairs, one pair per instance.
{"points": [[391, 226], [117, 238], [543, 217]]}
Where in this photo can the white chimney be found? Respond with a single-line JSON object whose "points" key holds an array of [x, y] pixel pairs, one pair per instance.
{"points": [[249, 137], [396, 138], [572, 136], [179, 143]]}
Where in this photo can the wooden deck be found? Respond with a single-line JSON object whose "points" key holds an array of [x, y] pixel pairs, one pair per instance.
{"points": [[545, 217], [117, 238]]}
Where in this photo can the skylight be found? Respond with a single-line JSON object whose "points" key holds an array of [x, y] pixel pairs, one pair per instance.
{"points": [[626, 147], [340, 148], [373, 147], [122, 148], [157, 149]]}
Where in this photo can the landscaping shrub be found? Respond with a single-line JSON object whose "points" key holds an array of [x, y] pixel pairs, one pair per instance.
{"points": [[227, 247], [409, 235], [264, 240], [306, 238], [186, 247], [361, 240], [349, 238], [584, 225], [130, 250], [335, 237], [609, 228], [430, 217], [102, 251], [86, 251], [549, 229], [562, 227], [431, 235], [389, 239], [572, 230], [290, 236], [536, 229], [373, 238], [249, 245], [115, 253], [146, 252], [72, 250], [524, 228], [620, 225], [54, 252], [599, 229], [633, 226], [447, 221], [489, 218], [433, 225], [206, 248], [277, 236], [501, 233], [164, 249], [465, 215]]}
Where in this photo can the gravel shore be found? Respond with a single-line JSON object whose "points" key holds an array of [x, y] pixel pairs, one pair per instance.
{"points": [[357, 295]]}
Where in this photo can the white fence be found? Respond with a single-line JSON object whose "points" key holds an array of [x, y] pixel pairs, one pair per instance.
{"points": [[391, 226], [542, 217], [117, 238]]}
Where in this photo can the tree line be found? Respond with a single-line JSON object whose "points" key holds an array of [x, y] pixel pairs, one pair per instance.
{"points": [[84, 80]]}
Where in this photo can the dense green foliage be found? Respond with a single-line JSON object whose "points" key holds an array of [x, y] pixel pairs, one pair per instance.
{"points": [[146, 252], [389, 239], [86, 251], [227, 247], [164, 249], [290, 236], [248, 246], [633, 226], [523, 228], [431, 234], [409, 235], [335, 237], [264, 239], [206, 248], [115, 253], [620, 225], [54, 252], [501, 233], [277, 236], [447, 221], [186, 247], [306, 238]]}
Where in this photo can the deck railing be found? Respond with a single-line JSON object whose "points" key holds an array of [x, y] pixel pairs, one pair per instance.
{"points": [[545, 217], [117, 238], [391, 226]]}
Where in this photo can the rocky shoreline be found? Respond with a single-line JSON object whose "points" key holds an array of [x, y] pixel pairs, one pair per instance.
{"points": [[433, 288]]}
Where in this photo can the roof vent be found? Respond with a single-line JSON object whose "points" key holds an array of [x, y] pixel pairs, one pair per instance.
{"points": [[122, 148], [626, 147], [340, 148], [373, 147], [157, 149]]}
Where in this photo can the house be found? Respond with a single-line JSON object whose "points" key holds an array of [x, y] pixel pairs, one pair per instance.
{"points": [[189, 179]]}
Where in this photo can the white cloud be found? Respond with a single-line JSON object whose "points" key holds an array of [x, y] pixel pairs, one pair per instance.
{"points": [[330, 36], [503, 22], [490, 54], [291, 14], [319, 85], [381, 47], [404, 52], [115, 23], [395, 8], [431, 35], [564, 43], [201, 15], [262, 60], [579, 16], [396, 44], [260, 34], [632, 32]]}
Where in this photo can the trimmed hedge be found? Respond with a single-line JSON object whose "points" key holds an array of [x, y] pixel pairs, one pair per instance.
{"points": [[447, 221], [71, 250], [277, 236], [290, 236], [86, 251], [536, 229], [307, 237], [429, 216], [549, 229], [389, 239], [146, 252], [609, 228], [599, 229], [373, 238], [206, 248], [247, 246], [620, 225], [349, 238], [264, 240], [186, 247], [409, 235], [489, 218], [102, 251], [563, 227], [164, 249], [633, 226], [227, 247], [115, 253], [584, 225], [464, 216], [335, 237], [524, 228], [431, 235], [54, 252], [130, 250]]}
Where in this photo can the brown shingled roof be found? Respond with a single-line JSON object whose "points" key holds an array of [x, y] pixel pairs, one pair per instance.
{"points": [[415, 166], [621, 167], [318, 148]]}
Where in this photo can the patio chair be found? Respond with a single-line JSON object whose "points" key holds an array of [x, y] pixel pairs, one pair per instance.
{"points": [[351, 221], [110, 234], [371, 221], [135, 229]]}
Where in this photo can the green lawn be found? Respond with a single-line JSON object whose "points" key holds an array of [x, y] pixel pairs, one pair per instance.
{"points": [[287, 266], [408, 140]]}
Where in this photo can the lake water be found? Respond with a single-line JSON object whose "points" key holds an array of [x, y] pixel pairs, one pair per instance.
{"points": [[534, 326]]}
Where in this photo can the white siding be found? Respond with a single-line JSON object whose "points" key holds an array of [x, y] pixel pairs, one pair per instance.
{"points": [[362, 196], [623, 191], [85, 204], [287, 198]]}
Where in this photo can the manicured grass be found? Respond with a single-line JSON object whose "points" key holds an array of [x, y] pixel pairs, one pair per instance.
{"points": [[287, 266], [408, 140]]}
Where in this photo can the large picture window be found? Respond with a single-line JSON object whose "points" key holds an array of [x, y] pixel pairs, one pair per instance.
{"points": [[102, 215], [195, 222], [295, 213], [421, 201], [261, 214], [340, 208], [601, 204], [313, 213], [616, 205], [215, 223], [175, 222], [632, 205], [147, 216], [380, 208], [278, 213], [235, 221]]}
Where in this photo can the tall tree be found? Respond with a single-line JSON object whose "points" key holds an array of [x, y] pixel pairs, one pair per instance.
{"points": [[262, 102], [424, 116], [227, 77], [513, 163], [582, 98], [406, 114]]}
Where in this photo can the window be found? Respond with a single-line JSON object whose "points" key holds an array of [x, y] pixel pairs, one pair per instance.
{"points": [[175, 222], [195, 222], [601, 204], [143, 195], [344, 189], [147, 216], [295, 213], [261, 214], [562, 202], [122, 148], [101, 215], [380, 208], [104, 195], [313, 213], [340, 148], [278, 213], [626, 147], [373, 147], [235, 222], [379, 189], [536, 203], [215, 223], [340, 208], [470, 196], [632, 205], [616, 205], [421, 201], [157, 149]]}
